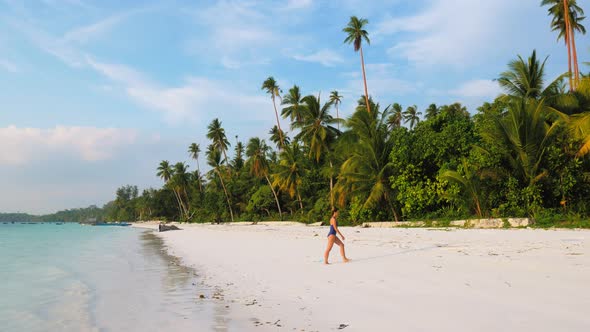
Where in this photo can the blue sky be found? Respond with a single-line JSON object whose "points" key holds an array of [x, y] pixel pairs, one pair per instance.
{"points": [[95, 93]]}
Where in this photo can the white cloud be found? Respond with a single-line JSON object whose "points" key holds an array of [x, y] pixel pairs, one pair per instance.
{"points": [[478, 89], [325, 57], [196, 99], [21, 145], [234, 29], [447, 31], [299, 4], [86, 33]]}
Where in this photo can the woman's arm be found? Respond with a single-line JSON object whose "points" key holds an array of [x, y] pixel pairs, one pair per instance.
{"points": [[333, 223]]}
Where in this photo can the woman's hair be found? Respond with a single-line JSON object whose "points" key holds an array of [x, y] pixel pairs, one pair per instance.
{"points": [[334, 210]]}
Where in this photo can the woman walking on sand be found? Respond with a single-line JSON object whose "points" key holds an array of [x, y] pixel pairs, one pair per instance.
{"points": [[332, 238]]}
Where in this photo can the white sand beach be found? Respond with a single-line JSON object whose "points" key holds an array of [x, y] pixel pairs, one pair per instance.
{"points": [[273, 277]]}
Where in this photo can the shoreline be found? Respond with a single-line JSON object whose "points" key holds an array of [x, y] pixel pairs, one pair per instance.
{"points": [[460, 279]]}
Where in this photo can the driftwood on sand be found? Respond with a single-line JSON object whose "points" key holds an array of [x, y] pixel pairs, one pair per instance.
{"points": [[164, 228]]}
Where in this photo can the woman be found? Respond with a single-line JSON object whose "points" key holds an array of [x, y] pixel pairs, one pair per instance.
{"points": [[332, 238]]}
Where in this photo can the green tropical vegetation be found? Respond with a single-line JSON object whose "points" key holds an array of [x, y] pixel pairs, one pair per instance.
{"points": [[524, 154], [71, 215]]}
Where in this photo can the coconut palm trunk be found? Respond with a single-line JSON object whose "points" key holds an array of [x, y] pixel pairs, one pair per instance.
{"points": [[180, 204], [231, 213], [300, 201], [390, 203], [575, 60], [365, 80], [568, 42], [275, 195], [278, 122]]}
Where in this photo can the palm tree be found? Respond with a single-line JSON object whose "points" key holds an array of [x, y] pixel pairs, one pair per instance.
{"points": [[194, 149], [317, 132], [295, 110], [238, 162], [180, 181], [525, 132], [277, 136], [526, 79], [395, 119], [257, 152], [214, 160], [336, 99], [432, 111], [580, 129], [412, 115], [272, 88], [576, 116], [216, 134], [367, 171], [470, 184], [165, 172], [580, 122], [316, 129], [290, 171], [566, 19], [355, 34]]}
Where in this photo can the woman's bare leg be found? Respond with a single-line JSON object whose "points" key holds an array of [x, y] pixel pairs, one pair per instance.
{"points": [[342, 253], [330, 245]]}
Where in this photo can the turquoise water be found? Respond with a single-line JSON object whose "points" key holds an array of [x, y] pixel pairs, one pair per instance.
{"points": [[82, 278]]}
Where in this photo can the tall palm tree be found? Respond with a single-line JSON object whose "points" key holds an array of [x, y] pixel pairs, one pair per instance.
{"points": [[526, 79], [412, 115], [219, 140], [295, 109], [180, 181], [277, 136], [366, 173], [194, 149], [355, 34], [272, 88], [318, 133], [214, 160], [166, 173], [316, 128], [290, 171], [238, 162], [257, 152], [336, 99], [395, 119], [431, 111], [566, 19]]}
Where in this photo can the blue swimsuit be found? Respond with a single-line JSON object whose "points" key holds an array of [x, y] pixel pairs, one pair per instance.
{"points": [[332, 231]]}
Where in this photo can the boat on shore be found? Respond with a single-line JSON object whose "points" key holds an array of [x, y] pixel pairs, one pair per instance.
{"points": [[100, 223]]}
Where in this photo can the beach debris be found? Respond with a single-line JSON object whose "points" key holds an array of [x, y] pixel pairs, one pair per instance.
{"points": [[342, 326], [202, 296], [217, 295], [253, 302], [165, 228]]}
